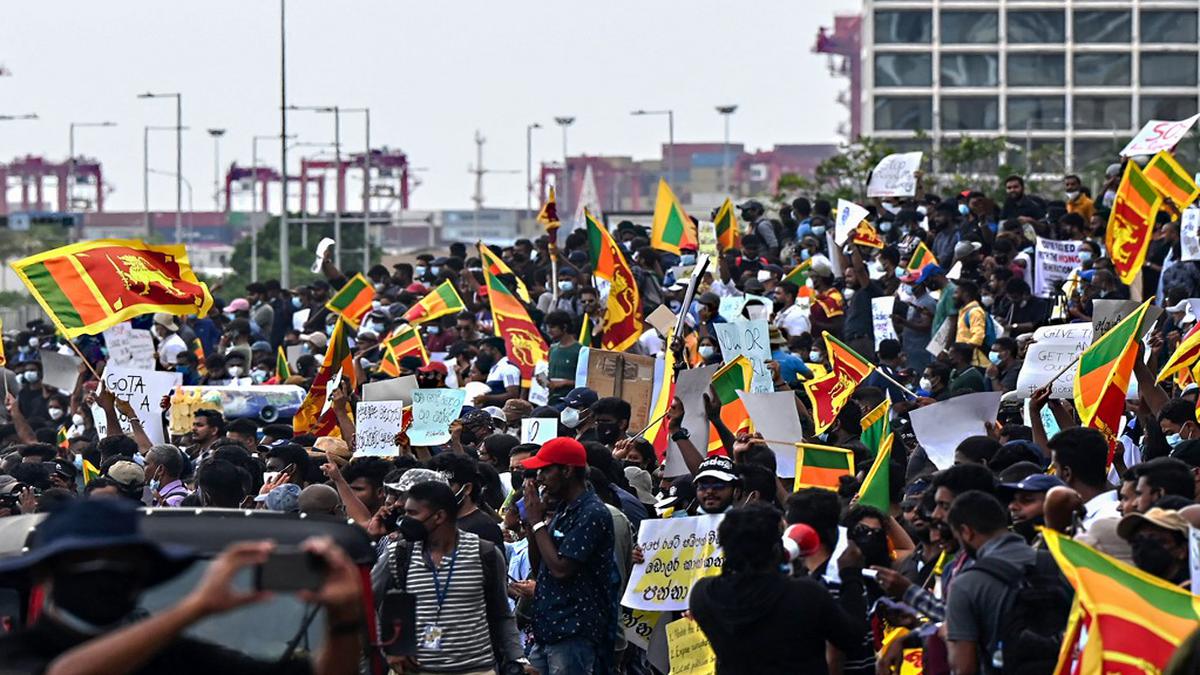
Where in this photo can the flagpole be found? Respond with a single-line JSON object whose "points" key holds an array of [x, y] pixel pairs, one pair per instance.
{"points": [[889, 379], [81, 357], [652, 423]]}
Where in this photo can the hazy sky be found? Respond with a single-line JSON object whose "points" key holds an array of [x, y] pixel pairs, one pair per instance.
{"points": [[431, 72]]}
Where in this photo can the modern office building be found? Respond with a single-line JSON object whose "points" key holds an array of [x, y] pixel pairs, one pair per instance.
{"points": [[1068, 81]]}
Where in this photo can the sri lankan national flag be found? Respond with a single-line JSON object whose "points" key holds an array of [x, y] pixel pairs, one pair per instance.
{"points": [[389, 365], [90, 472], [548, 216], [731, 378], [829, 393], [727, 226], [1185, 354], [659, 430], [1135, 621], [198, 350], [353, 301], [821, 466], [1131, 223], [876, 427], [93, 285], [497, 266], [876, 488], [866, 235], [799, 273], [623, 313], [921, 256], [282, 370], [439, 302], [522, 340], [406, 341], [312, 416], [673, 229], [1103, 375], [61, 437], [1171, 180]]}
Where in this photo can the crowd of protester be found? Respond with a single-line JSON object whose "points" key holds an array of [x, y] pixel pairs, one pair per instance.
{"points": [[517, 553]]}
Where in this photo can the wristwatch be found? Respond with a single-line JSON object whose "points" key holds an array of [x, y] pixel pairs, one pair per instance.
{"points": [[681, 435]]}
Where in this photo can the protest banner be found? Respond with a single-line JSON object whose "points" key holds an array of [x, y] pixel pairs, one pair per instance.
{"points": [[1158, 135], [539, 393], [538, 429], [433, 411], [751, 339], [893, 175], [1053, 347], [690, 652], [774, 416], [1189, 234], [1053, 262], [678, 552], [662, 319], [938, 343], [144, 390], [130, 347], [376, 424], [639, 625], [395, 389], [690, 387], [293, 353], [60, 371], [881, 319], [940, 427], [848, 216]]}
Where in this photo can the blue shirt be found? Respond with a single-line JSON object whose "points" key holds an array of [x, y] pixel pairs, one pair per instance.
{"points": [[790, 365], [584, 604]]}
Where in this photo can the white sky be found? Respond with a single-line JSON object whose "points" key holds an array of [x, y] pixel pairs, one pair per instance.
{"points": [[431, 72]]}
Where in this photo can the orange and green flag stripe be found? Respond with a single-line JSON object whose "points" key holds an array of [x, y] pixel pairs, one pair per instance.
{"points": [[90, 472], [198, 350], [658, 431], [389, 365], [1138, 192], [498, 267], [406, 341], [1184, 356], [799, 273], [605, 254], [876, 427], [585, 331], [438, 302], [672, 229], [876, 488], [338, 357], [502, 299], [821, 466], [282, 370], [731, 378], [1170, 179], [921, 256], [353, 300], [61, 437], [523, 342], [1106, 364], [727, 226]]}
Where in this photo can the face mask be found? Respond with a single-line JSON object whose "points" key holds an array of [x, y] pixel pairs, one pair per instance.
{"points": [[235, 371], [1085, 256], [963, 210], [305, 348], [377, 328], [814, 356], [419, 271], [706, 351], [926, 384], [78, 462], [569, 418], [375, 304], [259, 376], [847, 294], [566, 286], [994, 357], [805, 254], [1151, 557], [891, 208], [30, 376], [295, 302], [1174, 440], [986, 300], [675, 305], [607, 433], [458, 496], [412, 529], [433, 330], [77, 420], [885, 226], [378, 287], [1072, 196], [34, 343], [818, 230], [329, 329], [55, 413], [155, 484], [435, 270]]}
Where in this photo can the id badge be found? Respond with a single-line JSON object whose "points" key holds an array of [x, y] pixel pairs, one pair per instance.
{"points": [[431, 638]]}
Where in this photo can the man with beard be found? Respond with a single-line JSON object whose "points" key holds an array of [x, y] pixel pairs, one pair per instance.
{"points": [[1026, 500], [1159, 539], [716, 485]]}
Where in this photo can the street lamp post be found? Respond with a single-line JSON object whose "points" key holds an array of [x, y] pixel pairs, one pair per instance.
{"points": [[71, 157], [178, 159], [337, 163], [254, 202], [186, 183], [216, 136], [285, 254], [366, 188], [529, 167], [564, 190], [146, 176], [726, 112], [670, 137]]}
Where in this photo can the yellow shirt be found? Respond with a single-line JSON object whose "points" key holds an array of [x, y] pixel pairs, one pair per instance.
{"points": [[972, 329], [1084, 206]]}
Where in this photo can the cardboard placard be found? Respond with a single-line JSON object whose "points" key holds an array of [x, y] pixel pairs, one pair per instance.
{"points": [[130, 347], [662, 319], [690, 652], [1189, 234], [396, 389], [750, 339], [539, 393], [690, 387], [1053, 262], [848, 216], [538, 430], [626, 376], [881, 319], [1158, 135], [775, 417], [678, 552], [376, 424], [144, 389]]}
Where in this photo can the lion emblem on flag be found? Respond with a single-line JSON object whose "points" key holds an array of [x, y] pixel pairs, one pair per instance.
{"points": [[137, 273]]}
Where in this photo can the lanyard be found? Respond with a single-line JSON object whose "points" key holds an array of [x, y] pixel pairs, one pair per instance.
{"points": [[440, 592]]}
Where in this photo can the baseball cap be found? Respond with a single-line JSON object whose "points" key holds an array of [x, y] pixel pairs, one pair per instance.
{"points": [[965, 248], [719, 467], [1167, 520], [284, 498], [750, 204], [920, 277], [416, 475], [709, 298], [238, 305], [166, 320], [496, 413], [518, 406], [127, 473], [561, 450], [318, 498], [434, 367], [1038, 482], [319, 340], [679, 495], [580, 398]]}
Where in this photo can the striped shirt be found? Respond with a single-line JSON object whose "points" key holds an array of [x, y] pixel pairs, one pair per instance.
{"points": [[466, 640]]}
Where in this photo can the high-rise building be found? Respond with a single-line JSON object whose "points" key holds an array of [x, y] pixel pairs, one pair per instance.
{"points": [[1068, 82]]}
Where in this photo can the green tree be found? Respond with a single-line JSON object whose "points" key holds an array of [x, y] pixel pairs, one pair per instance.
{"points": [[301, 258]]}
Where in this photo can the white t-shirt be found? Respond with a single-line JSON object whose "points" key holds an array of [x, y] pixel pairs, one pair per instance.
{"points": [[169, 348], [506, 373], [792, 320]]}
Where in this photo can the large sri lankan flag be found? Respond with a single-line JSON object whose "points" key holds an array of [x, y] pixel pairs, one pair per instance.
{"points": [[498, 267], [623, 313], [439, 302], [522, 340], [821, 466], [828, 394], [1134, 620], [1103, 375], [731, 378], [312, 416], [353, 300], [672, 229], [88, 287], [1131, 223]]}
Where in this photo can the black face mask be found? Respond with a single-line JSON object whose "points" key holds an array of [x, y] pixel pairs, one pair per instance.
{"points": [[101, 597], [873, 544], [413, 529], [607, 433], [1152, 557], [468, 436]]}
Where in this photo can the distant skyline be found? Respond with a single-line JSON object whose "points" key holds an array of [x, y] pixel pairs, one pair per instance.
{"points": [[432, 73]]}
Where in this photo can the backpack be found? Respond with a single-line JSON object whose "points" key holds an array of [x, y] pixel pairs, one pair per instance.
{"points": [[1038, 604]]}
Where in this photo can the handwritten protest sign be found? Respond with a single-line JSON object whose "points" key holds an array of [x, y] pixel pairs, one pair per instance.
{"points": [[1053, 262], [893, 175], [639, 624], [940, 427], [433, 411], [1189, 234], [538, 429], [881, 319], [59, 370], [144, 390], [1052, 349], [938, 343], [706, 238], [849, 215], [376, 424], [678, 552], [752, 340], [1158, 135], [130, 347], [690, 652], [539, 392]]}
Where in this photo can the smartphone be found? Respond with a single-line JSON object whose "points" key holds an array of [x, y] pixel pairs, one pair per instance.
{"points": [[398, 623], [288, 570]]}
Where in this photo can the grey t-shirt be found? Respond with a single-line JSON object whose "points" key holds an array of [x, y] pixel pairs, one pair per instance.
{"points": [[978, 601]]}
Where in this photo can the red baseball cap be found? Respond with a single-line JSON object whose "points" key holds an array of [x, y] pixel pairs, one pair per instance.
{"points": [[433, 367], [561, 450]]}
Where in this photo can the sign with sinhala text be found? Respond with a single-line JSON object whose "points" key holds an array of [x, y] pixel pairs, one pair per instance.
{"points": [[433, 411], [678, 552], [376, 424]]}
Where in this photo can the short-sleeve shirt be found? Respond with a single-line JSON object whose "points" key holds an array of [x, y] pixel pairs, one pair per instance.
{"points": [[977, 601], [584, 604], [858, 311], [505, 373], [562, 367]]}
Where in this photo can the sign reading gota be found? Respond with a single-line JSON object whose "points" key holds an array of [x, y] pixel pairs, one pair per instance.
{"points": [[678, 553]]}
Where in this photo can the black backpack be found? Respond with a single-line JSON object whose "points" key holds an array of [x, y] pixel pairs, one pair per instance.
{"points": [[1038, 605]]}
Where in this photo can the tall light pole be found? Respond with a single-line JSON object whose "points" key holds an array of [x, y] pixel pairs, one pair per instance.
{"points": [[186, 183], [726, 112], [529, 167], [71, 156], [146, 176], [366, 188], [564, 190], [178, 159], [337, 173], [285, 254], [216, 136], [254, 202], [670, 137]]}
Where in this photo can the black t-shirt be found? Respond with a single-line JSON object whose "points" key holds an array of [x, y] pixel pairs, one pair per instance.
{"points": [[479, 523], [858, 311], [32, 650]]}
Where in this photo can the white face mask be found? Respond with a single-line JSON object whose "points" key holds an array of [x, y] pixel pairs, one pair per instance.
{"points": [[814, 356], [569, 417], [235, 371], [55, 413], [926, 384], [77, 419], [433, 330], [418, 271], [706, 351], [1072, 196]]}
